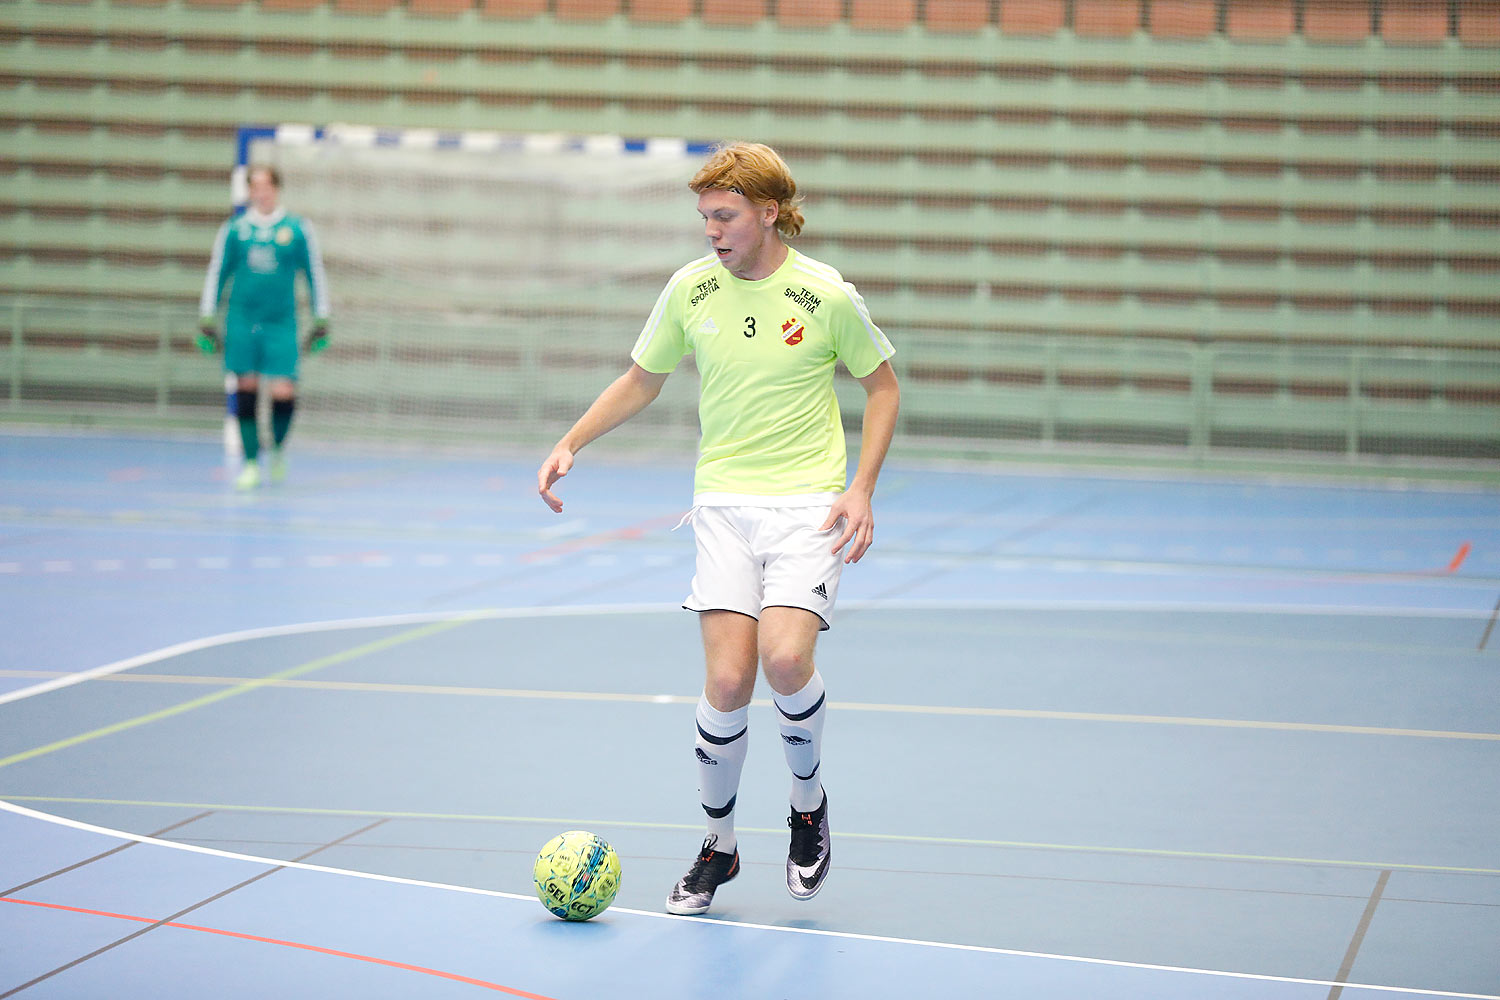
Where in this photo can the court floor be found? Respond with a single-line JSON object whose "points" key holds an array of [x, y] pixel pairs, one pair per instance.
{"points": [[1090, 735]]}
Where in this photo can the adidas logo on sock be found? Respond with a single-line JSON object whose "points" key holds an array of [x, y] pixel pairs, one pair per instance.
{"points": [[821, 591]]}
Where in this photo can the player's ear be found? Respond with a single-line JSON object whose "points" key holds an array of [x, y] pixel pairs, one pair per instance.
{"points": [[770, 214]]}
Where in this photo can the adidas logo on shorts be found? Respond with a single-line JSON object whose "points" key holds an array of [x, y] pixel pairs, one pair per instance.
{"points": [[821, 591]]}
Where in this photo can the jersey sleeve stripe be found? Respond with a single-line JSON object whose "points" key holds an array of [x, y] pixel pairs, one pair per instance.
{"points": [[684, 273], [817, 268], [316, 274], [834, 280], [208, 303]]}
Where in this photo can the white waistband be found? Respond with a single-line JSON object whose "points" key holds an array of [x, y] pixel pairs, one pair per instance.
{"points": [[758, 500]]}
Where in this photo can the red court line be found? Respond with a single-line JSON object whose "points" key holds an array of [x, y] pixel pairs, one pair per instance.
{"points": [[1417, 574], [286, 944], [1458, 560], [619, 534]]}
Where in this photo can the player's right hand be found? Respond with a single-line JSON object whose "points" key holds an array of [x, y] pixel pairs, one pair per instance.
{"points": [[557, 465], [317, 340], [208, 336]]}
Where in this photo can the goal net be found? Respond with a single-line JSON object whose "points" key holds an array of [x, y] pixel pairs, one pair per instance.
{"points": [[484, 287]]}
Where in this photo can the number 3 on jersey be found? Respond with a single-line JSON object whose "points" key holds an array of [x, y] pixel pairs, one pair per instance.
{"points": [[749, 330]]}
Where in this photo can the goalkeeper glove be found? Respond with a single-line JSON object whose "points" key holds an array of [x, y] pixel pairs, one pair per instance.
{"points": [[208, 335], [318, 338]]}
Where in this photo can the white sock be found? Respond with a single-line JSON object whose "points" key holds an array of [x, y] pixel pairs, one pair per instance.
{"points": [[723, 739], [800, 716]]}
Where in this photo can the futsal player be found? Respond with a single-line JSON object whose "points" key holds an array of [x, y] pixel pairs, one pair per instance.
{"points": [[773, 519], [260, 253]]}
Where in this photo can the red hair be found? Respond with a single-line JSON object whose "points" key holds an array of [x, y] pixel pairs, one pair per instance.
{"points": [[760, 174]]}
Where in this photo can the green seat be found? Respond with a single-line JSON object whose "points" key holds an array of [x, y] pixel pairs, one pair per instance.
{"points": [[97, 233], [1067, 238]]}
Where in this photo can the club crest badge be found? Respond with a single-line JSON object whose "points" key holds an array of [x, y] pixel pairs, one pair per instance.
{"points": [[791, 332]]}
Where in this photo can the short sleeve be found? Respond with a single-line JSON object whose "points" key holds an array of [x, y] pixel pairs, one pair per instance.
{"points": [[662, 342], [861, 345]]}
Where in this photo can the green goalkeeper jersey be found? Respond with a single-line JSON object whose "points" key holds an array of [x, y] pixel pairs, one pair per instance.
{"points": [[261, 255], [765, 350]]}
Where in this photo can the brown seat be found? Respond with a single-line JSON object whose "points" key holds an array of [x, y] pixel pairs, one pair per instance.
{"points": [[1260, 20], [438, 8], [1106, 18], [363, 6], [1479, 22], [733, 12], [1031, 17], [809, 13], [1336, 21], [1413, 22], [882, 15], [660, 11], [511, 8], [586, 10], [957, 15], [1184, 18]]}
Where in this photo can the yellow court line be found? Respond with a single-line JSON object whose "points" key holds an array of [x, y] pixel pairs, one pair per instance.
{"points": [[671, 699], [597, 822], [240, 686], [1172, 720]]}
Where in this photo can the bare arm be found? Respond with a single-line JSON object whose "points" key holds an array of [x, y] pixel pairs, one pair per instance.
{"points": [[622, 399], [882, 403]]}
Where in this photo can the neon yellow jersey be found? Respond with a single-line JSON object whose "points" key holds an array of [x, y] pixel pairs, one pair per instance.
{"points": [[765, 351]]}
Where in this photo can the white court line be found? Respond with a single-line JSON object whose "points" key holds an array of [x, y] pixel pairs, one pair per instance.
{"points": [[613, 609], [971, 711], [842, 935], [243, 635], [554, 611]]}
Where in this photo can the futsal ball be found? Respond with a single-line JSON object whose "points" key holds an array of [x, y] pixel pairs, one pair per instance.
{"points": [[577, 875]]}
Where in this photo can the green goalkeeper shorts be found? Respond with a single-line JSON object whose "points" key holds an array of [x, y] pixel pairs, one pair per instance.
{"points": [[268, 349]]}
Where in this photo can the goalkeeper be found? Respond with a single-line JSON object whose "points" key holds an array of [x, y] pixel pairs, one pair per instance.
{"points": [[259, 254]]}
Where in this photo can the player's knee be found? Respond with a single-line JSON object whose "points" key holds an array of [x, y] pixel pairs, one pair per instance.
{"points": [[727, 692], [787, 668]]}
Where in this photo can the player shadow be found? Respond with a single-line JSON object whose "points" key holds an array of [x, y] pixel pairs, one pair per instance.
{"points": [[592, 929]]}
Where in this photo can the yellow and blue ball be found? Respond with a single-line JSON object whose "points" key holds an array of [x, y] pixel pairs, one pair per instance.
{"points": [[577, 875]]}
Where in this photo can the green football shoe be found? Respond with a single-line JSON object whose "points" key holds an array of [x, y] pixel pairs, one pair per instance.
{"points": [[278, 466], [249, 477]]}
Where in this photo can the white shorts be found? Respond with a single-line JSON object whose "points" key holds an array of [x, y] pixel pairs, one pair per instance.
{"points": [[753, 558]]}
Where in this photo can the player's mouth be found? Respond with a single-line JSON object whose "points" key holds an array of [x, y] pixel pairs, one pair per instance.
{"points": [[722, 251]]}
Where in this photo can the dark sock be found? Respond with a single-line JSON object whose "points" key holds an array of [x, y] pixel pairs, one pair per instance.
{"points": [[249, 433], [281, 419]]}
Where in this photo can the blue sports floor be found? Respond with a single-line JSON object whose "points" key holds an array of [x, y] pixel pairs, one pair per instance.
{"points": [[1091, 736]]}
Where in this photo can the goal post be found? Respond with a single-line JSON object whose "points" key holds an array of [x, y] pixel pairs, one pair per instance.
{"points": [[484, 286]]}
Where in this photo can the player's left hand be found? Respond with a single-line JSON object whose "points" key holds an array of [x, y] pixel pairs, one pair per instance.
{"points": [[859, 524], [318, 338]]}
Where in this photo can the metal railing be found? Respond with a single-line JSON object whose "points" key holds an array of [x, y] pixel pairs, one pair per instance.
{"points": [[969, 392]]}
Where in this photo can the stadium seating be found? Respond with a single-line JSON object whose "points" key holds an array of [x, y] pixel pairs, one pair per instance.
{"points": [[1181, 19], [1320, 176], [882, 15]]}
